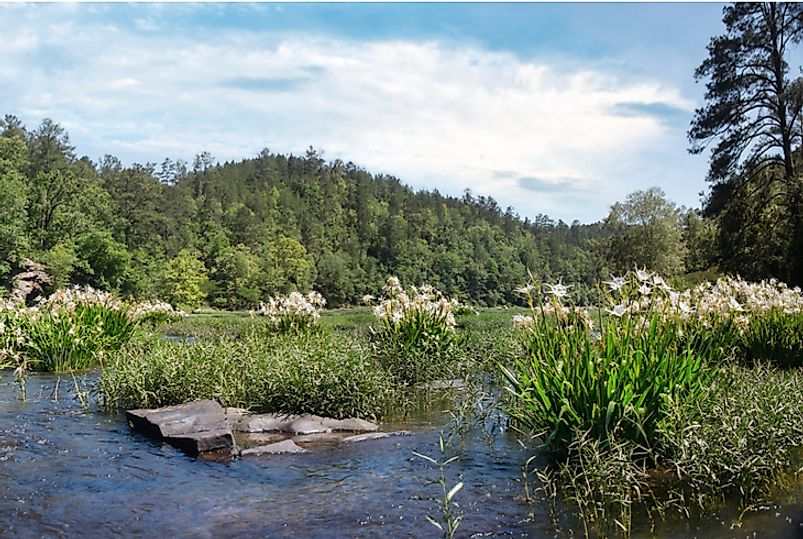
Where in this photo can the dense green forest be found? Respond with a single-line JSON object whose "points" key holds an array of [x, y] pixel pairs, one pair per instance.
{"points": [[232, 234]]}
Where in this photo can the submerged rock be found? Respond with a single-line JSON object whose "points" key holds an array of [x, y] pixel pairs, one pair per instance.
{"points": [[278, 448], [197, 427], [302, 424], [374, 436]]}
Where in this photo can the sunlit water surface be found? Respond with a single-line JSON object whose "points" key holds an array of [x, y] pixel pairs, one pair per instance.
{"points": [[67, 471]]}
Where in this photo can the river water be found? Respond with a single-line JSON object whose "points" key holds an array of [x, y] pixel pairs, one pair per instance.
{"points": [[68, 471]]}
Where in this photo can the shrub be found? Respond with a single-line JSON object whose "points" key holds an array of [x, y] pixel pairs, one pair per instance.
{"points": [[154, 313], [74, 328], [71, 329]]}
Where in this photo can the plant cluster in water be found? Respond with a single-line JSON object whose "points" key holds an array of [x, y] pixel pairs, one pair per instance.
{"points": [[653, 392], [72, 329]]}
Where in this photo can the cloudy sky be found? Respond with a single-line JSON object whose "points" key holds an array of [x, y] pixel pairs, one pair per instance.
{"points": [[559, 109]]}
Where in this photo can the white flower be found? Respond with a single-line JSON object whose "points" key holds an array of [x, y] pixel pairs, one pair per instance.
{"points": [[618, 310], [558, 290], [522, 321], [645, 290], [643, 275], [615, 284], [525, 289]]}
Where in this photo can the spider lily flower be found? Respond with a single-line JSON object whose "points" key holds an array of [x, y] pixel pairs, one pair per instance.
{"points": [[616, 283], [522, 321], [643, 275], [525, 289], [618, 310], [558, 290]]}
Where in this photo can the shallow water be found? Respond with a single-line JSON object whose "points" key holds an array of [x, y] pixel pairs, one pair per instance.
{"points": [[66, 471]]}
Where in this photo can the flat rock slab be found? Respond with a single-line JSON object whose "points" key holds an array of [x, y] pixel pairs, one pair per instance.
{"points": [[278, 448], [302, 424], [374, 436], [196, 427]]}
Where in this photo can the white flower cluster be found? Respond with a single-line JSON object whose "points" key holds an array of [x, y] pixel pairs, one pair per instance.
{"points": [[399, 305], [551, 305], [295, 307], [728, 296], [68, 299], [154, 308]]}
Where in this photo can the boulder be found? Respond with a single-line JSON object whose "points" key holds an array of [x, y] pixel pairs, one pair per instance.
{"points": [[197, 427]]}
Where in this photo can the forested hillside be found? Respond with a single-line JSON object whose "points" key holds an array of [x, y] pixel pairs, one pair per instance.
{"points": [[234, 233]]}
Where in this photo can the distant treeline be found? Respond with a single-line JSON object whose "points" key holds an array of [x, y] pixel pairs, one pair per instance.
{"points": [[232, 234]]}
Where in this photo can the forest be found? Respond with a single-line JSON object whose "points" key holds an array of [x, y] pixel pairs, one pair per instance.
{"points": [[229, 235]]}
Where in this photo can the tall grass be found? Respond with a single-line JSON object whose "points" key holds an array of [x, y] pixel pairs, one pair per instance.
{"points": [[327, 374]]}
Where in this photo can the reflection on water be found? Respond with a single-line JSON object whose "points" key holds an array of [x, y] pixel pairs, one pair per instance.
{"points": [[64, 471]]}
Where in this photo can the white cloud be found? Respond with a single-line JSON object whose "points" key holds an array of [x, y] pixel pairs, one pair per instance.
{"points": [[534, 135]]}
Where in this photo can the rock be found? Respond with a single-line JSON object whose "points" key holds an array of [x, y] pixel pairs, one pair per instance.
{"points": [[374, 436], [278, 448], [28, 284], [196, 427], [264, 423], [304, 424], [351, 425], [197, 443]]}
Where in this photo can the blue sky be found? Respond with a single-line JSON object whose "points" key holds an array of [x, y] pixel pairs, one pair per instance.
{"points": [[560, 109]]}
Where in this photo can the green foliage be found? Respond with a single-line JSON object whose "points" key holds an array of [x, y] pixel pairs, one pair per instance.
{"points": [[740, 435], [183, 277], [329, 375], [13, 202], [238, 272], [415, 338], [645, 230], [265, 226], [774, 338], [616, 385], [76, 339], [750, 123], [103, 261]]}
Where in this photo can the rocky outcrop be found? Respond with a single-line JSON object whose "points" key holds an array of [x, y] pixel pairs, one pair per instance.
{"points": [[198, 427], [278, 448], [29, 283], [205, 428]]}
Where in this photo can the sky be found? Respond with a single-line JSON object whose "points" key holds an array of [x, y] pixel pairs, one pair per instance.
{"points": [[556, 109]]}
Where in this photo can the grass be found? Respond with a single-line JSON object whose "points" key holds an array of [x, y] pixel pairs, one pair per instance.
{"points": [[737, 441], [327, 374]]}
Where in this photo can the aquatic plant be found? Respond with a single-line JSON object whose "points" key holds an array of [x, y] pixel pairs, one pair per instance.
{"points": [[415, 338], [449, 521], [154, 313], [294, 312], [645, 411], [611, 382], [71, 329]]}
